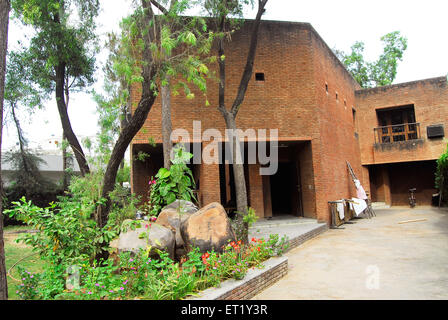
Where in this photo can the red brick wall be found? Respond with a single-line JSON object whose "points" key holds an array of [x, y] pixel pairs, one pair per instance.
{"points": [[334, 141]]}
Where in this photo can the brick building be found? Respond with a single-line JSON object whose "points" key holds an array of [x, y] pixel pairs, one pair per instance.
{"points": [[323, 119]]}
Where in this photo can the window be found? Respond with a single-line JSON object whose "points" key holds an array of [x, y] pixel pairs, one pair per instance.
{"points": [[259, 76], [326, 87], [397, 124]]}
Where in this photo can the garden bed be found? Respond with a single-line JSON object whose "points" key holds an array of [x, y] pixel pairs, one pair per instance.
{"points": [[256, 280]]}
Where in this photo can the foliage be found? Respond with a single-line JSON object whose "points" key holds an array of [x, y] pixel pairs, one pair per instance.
{"points": [[171, 184], [59, 39], [28, 288], [441, 175], [250, 218], [381, 72], [26, 179], [142, 277]]}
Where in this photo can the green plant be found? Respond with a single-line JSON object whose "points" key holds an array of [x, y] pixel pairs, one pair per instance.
{"points": [[28, 288], [250, 218], [441, 176], [170, 185], [67, 233]]}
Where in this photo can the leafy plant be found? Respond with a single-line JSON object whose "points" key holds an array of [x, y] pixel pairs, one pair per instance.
{"points": [[173, 184], [441, 175]]}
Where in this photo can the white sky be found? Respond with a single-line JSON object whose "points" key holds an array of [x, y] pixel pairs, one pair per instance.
{"points": [[340, 24]]}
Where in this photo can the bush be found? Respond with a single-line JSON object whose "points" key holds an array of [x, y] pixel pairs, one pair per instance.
{"points": [[441, 181], [171, 185]]}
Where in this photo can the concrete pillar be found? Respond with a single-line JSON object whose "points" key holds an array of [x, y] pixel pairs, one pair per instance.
{"points": [[386, 185], [267, 196], [209, 186]]}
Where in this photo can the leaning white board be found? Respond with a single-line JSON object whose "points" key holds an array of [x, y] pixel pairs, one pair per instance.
{"points": [[359, 205]]}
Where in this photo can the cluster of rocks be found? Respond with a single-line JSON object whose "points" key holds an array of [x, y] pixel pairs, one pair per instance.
{"points": [[179, 227]]}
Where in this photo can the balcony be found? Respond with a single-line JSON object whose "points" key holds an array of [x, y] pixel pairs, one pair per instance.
{"points": [[397, 133]]}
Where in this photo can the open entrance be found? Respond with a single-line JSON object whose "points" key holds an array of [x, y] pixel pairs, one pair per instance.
{"points": [[285, 190]]}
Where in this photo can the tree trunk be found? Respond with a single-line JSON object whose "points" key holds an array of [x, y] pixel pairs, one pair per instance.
{"points": [[240, 181], [166, 125], [4, 21], [230, 116], [137, 120], [64, 164], [65, 121]]}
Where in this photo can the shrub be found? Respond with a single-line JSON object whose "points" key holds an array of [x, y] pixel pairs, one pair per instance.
{"points": [[142, 277], [170, 185]]}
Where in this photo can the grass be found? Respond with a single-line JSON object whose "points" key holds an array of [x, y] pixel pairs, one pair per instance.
{"points": [[16, 251]]}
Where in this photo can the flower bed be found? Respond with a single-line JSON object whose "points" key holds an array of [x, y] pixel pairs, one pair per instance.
{"points": [[142, 277]]}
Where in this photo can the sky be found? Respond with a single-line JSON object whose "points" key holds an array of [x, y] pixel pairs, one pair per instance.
{"points": [[340, 23]]}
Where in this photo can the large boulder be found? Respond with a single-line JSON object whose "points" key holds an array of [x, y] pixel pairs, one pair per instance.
{"points": [[153, 235], [208, 229], [172, 219]]}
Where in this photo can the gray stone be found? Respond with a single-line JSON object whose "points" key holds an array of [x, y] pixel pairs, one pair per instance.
{"points": [[154, 235], [183, 205]]}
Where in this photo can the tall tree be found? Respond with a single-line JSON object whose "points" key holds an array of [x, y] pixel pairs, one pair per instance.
{"points": [[154, 41], [4, 21], [61, 54], [381, 72], [222, 12], [172, 24], [22, 97]]}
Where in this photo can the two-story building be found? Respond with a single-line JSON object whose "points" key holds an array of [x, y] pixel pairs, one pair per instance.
{"points": [[401, 134], [323, 118]]}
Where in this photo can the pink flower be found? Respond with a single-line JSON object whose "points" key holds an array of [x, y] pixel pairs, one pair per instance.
{"points": [[90, 292]]}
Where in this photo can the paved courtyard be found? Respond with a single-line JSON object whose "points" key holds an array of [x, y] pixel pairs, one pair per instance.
{"points": [[378, 258]]}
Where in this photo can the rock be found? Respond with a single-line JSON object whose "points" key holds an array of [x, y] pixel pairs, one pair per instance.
{"points": [[171, 219], [209, 228], [153, 235], [183, 205]]}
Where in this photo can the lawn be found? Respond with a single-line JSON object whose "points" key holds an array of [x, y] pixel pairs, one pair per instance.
{"points": [[16, 251]]}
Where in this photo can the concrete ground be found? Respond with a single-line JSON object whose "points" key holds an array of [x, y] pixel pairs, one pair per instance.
{"points": [[376, 258]]}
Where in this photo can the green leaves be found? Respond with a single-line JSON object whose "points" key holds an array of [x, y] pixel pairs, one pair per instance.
{"points": [[175, 183], [381, 72]]}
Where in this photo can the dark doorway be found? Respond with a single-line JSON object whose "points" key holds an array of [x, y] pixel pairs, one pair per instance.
{"points": [[285, 190]]}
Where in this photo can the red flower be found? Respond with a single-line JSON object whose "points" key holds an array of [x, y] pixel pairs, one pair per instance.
{"points": [[205, 255]]}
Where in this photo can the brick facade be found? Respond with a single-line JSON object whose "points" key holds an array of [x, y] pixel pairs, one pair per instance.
{"points": [[429, 99], [307, 95]]}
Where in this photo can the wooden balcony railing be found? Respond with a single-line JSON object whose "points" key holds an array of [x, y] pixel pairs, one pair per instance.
{"points": [[396, 133]]}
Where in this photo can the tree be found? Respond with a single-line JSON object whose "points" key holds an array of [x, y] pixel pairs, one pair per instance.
{"points": [[152, 41], [381, 72], [4, 21], [179, 62], [61, 53], [20, 93], [222, 11]]}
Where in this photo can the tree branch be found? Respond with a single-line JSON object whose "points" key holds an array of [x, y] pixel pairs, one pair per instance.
{"points": [[159, 6]]}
